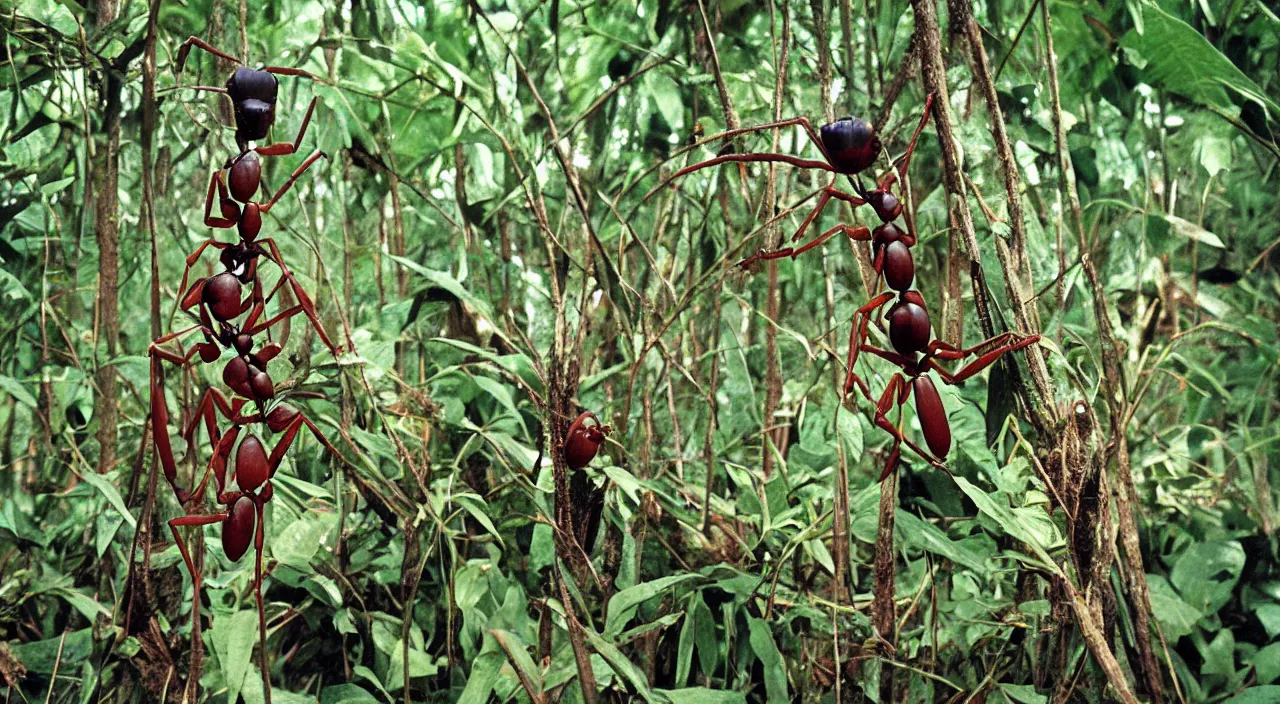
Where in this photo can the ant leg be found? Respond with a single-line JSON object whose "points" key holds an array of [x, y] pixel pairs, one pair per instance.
{"points": [[315, 156], [887, 400], [258, 542], [288, 71], [303, 299], [200, 43], [216, 182], [801, 121], [160, 431], [858, 336], [753, 157], [981, 362], [904, 161], [190, 520], [273, 320], [854, 233], [283, 148]]}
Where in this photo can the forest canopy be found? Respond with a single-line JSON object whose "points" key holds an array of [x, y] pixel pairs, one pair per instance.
{"points": [[692, 352]]}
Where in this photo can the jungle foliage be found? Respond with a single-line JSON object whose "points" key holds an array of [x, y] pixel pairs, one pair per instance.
{"points": [[480, 240]]}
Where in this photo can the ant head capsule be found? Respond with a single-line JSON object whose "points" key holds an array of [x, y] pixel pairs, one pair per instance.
{"points": [[253, 93], [851, 144], [245, 175]]}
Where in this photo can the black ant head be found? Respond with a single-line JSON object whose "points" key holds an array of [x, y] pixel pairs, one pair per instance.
{"points": [[237, 259], [253, 93], [851, 144]]}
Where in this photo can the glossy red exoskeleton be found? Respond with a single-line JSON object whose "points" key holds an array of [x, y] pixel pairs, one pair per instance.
{"points": [[253, 98], [583, 440]]}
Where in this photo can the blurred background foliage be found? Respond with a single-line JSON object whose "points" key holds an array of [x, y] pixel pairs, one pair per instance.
{"points": [[481, 269]]}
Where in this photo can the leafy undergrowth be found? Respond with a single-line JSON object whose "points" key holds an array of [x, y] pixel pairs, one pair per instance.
{"points": [[493, 282]]}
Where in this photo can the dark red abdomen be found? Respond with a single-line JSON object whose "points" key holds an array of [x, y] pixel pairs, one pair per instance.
{"points": [[252, 466], [237, 531], [245, 176], [899, 267], [908, 327], [933, 417], [222, 295], [580, 448]]}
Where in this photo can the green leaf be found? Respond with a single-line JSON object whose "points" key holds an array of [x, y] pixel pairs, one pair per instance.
{"points": [[1257, 695], [1176, 617], [775, 672], [1206, 574], [40, 656], [701, 695], [926, 536], [518, 653], [1024, 693], [15, 389], [109, 490], [233, 637], [621, 665], [476, 506], [1179, 59], [623, 605], [346, 694], [299, 542], [1267, 663]]}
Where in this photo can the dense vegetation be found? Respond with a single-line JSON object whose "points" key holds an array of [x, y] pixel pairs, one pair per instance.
{"points": [[480, 242]]}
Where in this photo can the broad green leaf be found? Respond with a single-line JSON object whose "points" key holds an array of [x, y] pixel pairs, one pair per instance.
{"points": [[775, 671], [234, 636], [346, 694], [1257, 695], [477, 507], [623, 605], [518, 653], [701, 695], [109, 490], [1179, 59], [926, 536], [15, 389], [1206, 573]]}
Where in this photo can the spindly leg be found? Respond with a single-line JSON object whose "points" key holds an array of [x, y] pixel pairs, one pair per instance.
{"points": [[315, 156], [198, 42], [303, 299], [801, 121], [854, 233], [186, 555], [981, 362], [902, 162], [290, 433], [858, 336], [282, 148], [258, 542], [216, 183]]}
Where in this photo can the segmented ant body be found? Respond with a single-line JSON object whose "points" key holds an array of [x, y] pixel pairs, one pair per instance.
{"points": [[849, 147], [227, 318]]}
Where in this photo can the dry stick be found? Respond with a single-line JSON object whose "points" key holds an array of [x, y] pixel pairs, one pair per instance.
{"points": [[882, 608], [726, 100], [1114, 393], [773, 298], [1018, 272]]}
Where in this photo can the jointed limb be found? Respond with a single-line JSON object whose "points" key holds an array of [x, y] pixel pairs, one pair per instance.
{"points": [[282, 148]]}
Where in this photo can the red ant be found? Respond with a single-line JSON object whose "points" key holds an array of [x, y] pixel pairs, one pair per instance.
{"points": [[221, 292], [850, 146]]}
